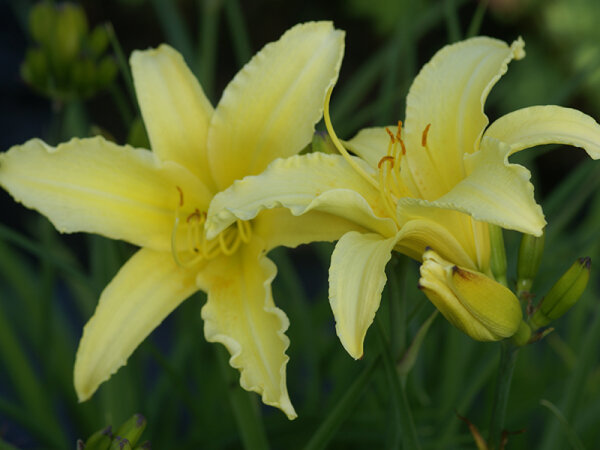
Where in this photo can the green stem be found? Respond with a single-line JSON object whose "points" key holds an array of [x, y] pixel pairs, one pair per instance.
{"points": [[245, 411], [342, 409], [399, 401], [508, 358], [122, 63]]}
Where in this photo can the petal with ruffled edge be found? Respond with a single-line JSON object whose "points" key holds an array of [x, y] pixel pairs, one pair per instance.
{"points": [[142, 294], [371, 144], [240, 314], [495, 191], [449, 94], [270, 108], [356, 281], [175, 110], [96, 186], [538, 125], [303, 183], [279, 227]]}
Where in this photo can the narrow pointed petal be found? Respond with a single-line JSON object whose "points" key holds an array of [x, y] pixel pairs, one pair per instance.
{"points": [[356, 281], [449, 94], [312, 182], [371, 144], [270, 108], [241, 315], [495, 191], [95, 186], [279, 227], [142, 294], [175, 109], [538, 125]]}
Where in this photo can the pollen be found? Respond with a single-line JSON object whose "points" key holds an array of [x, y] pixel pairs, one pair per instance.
{"points": [[385, 159]]}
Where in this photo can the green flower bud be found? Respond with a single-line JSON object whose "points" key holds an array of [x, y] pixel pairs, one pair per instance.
{"points": [[34, 69], [498, 254], [42, 19], [131, 430], [71, 28], [98, 41], [106, 71], [523, 334], [471, 301], [100, 440], [120, 443], [564, 294], [530, 257], [321, 142]]}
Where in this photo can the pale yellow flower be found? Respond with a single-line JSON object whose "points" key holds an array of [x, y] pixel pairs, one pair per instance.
{"points": [[436, 183], [158, 200]]}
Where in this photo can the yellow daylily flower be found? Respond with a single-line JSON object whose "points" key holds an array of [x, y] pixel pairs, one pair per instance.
{"points": [[158, 200], [435, 183]]}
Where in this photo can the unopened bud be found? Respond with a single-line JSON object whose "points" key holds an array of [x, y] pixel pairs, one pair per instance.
{"points": [[98, 41], [530, 257], [100, 440], [321, 142], [523, 334], [42, 18], [71, 28], [132, 430], [120, 443], [471, 301], [498, 254], [564, 294]]}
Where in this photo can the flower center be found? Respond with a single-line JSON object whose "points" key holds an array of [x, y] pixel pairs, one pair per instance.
{"points": [[188, 240], [388, 180]]}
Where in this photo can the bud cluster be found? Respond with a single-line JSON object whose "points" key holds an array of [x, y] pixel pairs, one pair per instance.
{"points": [[125, 437], [68, 60]]}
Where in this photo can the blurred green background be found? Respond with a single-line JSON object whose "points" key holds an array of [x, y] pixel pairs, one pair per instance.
{"points": [[49, 284]]}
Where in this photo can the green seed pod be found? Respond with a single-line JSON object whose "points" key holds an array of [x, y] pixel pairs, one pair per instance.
{"points": [[530, 257], [564, 294]]}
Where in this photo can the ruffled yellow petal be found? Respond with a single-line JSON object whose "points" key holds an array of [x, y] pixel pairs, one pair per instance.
{"points": [[175, 110], [279, 227], [312, 182], [371, 144], [241, 315], [472, 302], [270, 108], [356, 281], [145, 291], [95, 186], [448, 94], [495, 191], [539, 125]]}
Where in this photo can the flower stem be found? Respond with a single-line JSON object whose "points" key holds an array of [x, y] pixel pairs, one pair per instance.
{"points": [[398, 393], [247, 415], [508, 358]]}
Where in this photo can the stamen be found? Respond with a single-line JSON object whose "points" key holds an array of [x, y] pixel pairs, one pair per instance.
{"points": [[424, 137], [339, 145], [180, 195], [392, 138], [384, 159]]}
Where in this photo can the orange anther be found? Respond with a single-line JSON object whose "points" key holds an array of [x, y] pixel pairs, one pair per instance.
{"points": [[180, 195], [384, 159], [196, 214], [391, 135], [424, 137], [399, 131]]}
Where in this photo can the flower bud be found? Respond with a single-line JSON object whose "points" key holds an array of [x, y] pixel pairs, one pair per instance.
{"points": [[42, 18], [498, 254], [530, 257], [523, 334], [471, 301], [132, 429], [564, 294], [321, 142], [100, 440]]}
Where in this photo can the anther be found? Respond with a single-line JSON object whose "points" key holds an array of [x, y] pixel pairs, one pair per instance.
{"points": [[385, 159], [195, 214], [180, 195], [399, 131], [392, 137], [424, 137]]}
